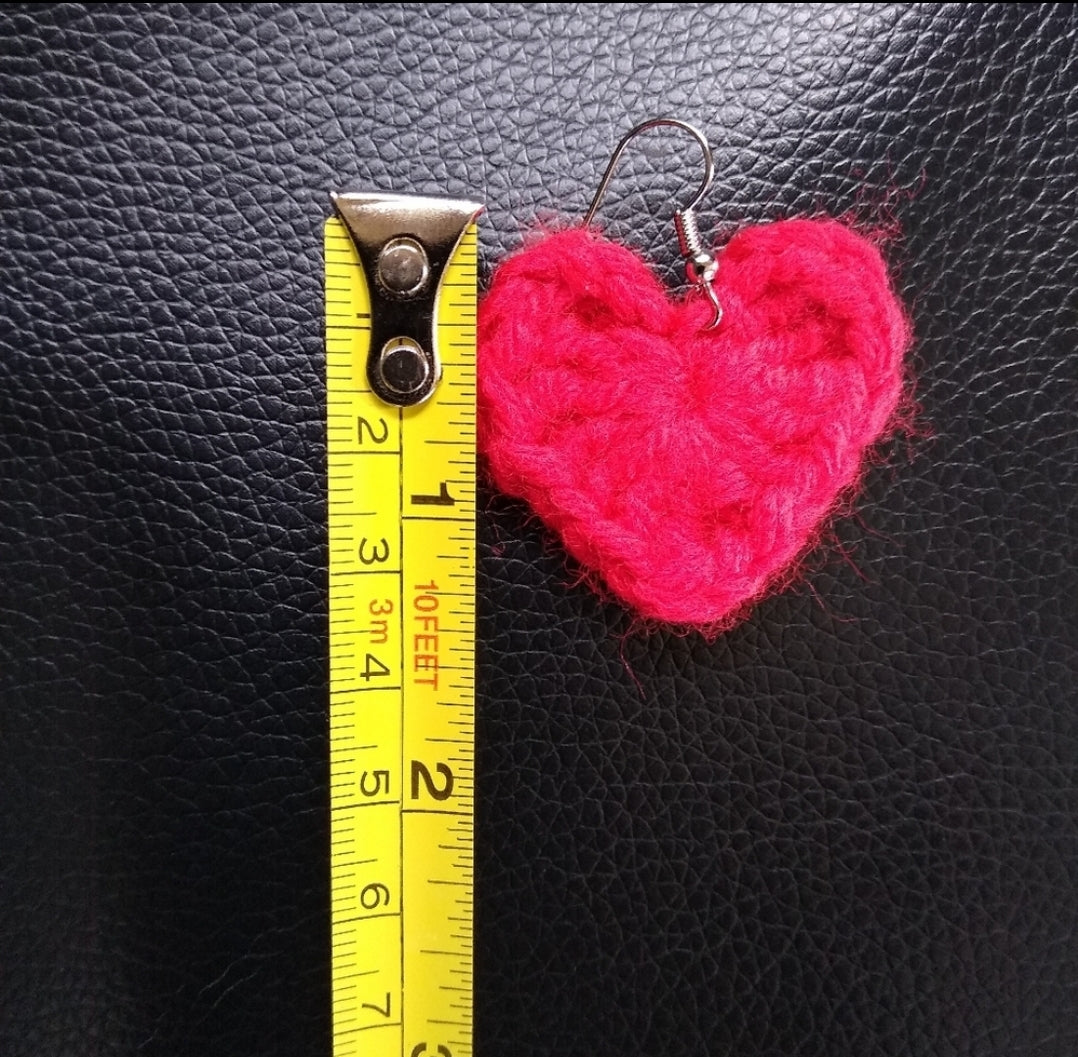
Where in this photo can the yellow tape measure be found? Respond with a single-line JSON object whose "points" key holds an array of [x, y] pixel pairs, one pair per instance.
{"points": [[400, 369]]}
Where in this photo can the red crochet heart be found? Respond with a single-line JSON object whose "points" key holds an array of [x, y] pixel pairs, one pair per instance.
{"points": [[689, 468]]}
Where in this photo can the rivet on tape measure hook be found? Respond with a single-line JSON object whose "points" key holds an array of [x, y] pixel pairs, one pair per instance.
{"points": [[400, 394]]}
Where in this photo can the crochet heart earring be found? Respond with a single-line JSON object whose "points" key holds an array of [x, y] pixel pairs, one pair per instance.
{"points": [[689, 450]]}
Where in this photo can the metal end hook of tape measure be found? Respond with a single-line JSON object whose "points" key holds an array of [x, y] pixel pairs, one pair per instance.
{"points": [[404, 244]]}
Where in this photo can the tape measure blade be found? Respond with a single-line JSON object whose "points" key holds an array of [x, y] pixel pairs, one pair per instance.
{"points": [[439, 519], [402, 651]]}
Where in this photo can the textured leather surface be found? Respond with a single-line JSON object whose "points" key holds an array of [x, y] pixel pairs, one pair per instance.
{"points": [[847, 828]]}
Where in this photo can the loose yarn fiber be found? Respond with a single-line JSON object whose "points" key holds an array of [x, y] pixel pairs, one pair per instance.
{"points": [[689, 469]]}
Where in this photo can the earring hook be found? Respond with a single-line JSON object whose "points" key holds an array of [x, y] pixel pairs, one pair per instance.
{"points": [[700, 266]]}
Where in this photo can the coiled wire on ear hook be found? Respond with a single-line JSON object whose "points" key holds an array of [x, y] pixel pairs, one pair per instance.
{"points": [[701, 267]]}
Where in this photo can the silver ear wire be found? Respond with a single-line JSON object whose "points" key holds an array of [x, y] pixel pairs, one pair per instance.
{"points": [[701, 267]]}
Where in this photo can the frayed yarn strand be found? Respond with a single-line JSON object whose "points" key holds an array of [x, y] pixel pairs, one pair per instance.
{"points": [[689, 469]]}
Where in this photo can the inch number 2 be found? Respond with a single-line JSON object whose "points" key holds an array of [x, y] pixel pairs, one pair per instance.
{"points": [[421, 774]]}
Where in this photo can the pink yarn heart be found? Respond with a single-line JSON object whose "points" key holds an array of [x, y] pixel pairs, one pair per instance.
{"points": [[689, 469]]}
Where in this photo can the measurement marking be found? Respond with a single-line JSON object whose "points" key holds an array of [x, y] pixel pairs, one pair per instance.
{"points": [[433, 811], [365, 1027], [437, 517], [451, 954], [368, 917], [450, 987], [360, 689], [357, 572], [458, 884]]}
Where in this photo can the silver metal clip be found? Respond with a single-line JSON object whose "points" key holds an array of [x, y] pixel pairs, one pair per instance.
{"points": [[404, 243]]}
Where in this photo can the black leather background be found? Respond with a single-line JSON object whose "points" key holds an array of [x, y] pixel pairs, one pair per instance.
{"points": [[847, 828]]}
